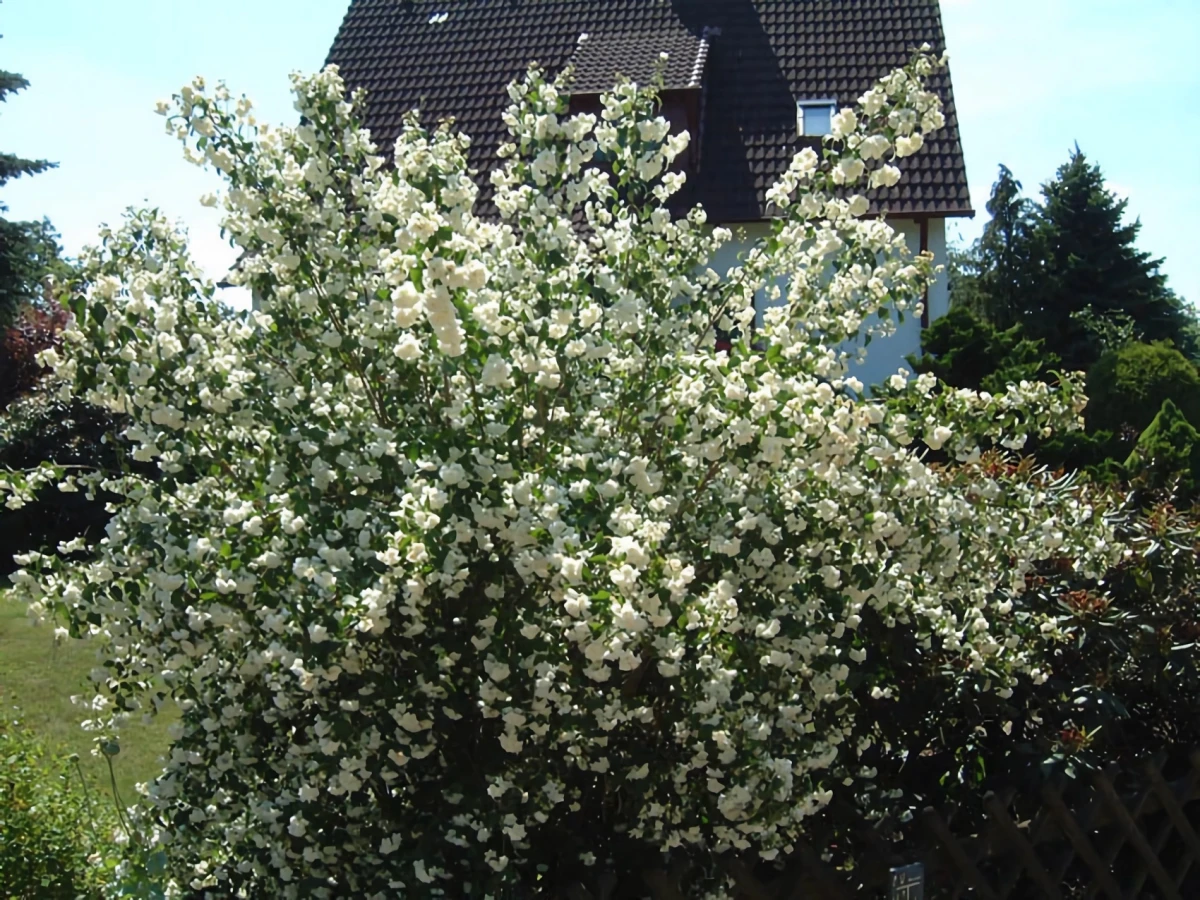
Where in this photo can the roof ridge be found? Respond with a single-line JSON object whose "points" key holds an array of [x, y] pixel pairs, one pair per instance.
{"points": [[701, 59]]}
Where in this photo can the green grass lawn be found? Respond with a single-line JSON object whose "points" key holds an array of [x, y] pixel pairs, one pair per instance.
{"points": [[39, 678]]}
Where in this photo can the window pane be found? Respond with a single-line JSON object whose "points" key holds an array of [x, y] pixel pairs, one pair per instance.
{"points": [[817, 120]]}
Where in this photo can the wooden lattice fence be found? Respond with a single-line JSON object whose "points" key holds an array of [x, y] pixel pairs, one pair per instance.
{"points": [[1117, 835], [1131, 835]]}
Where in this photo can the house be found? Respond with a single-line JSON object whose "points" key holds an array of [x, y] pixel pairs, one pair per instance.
{"points": [[752, 80]]}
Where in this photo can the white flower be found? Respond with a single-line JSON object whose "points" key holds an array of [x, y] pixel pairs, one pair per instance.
{"points": [[452, 474], [848, 171], [938, 437], [496, 372], [422, 873], [407, 348], [885, 176], [496, 671], [844, 123], [908, 145], [872, 101], [874, 147]]}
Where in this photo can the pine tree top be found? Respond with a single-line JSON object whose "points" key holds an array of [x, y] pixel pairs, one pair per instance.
{"points": [[11, 165], [10, 83]]}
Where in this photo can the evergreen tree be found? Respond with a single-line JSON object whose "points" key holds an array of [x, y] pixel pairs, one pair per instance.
{"points": [[1127, 387], [1068, 269], [997, 276], [1168, 451], [1091, 262], [28, 250], [966, 351]]}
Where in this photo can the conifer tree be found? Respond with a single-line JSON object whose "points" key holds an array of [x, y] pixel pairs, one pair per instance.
{"points": [[1168, 451], [998, 275], [28, 250], [1068, 269], [1092, 262]]}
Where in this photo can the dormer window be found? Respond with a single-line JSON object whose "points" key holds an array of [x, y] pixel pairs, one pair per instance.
{"points": [[814, 118], [680, 57]]}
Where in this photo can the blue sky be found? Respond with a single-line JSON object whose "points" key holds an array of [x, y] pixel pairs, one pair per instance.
{"points": [[1031, 78]]}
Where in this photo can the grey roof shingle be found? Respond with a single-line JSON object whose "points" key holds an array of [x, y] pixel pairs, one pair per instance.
{"points": [[600, 58], [455, 58]]}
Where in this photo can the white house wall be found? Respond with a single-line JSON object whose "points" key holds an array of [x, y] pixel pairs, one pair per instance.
{"points": [[885, 355]]}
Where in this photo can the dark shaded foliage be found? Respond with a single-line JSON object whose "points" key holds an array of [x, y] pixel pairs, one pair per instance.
{"points": [[966, 351], [35, 329], [40, 427]]}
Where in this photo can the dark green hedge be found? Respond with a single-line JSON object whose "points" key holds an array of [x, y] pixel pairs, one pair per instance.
{"points": [[40, 426], [1126, 388]]}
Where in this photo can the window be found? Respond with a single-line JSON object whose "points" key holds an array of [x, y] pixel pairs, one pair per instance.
{"points": [[814, 118]]}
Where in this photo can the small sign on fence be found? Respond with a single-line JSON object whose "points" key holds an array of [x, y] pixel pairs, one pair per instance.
{"points": [[907, 882]]}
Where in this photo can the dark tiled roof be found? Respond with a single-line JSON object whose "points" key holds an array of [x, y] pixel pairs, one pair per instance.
{"points": [[600, 58], [455, 57]]}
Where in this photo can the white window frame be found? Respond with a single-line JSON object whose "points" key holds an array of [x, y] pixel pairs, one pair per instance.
{"points": [[817, 103]]}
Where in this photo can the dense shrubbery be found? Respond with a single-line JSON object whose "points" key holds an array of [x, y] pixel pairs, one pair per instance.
{"points": [[44, 427], [1127, 387], [1123, 685], [965, 351], [1066, 273], [57, 840], [477, 569], [1167, 455], [37, 425], [36, 328], [1124, 663]]}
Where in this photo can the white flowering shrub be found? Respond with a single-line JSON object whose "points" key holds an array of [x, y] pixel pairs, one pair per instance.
{"points": [[472, 566]]}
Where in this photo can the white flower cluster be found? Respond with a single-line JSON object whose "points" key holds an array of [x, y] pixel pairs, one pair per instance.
{"points": [[468, 553]]}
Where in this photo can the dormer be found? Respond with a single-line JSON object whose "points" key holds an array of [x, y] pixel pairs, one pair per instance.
{"points": [[601, 57]]}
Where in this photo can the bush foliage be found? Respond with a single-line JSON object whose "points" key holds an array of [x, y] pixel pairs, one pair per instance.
{"points": [[56, 838], [1127, 387], [966, 351], [36, 328], [1167, 455], [44, 427], [477, 569]]}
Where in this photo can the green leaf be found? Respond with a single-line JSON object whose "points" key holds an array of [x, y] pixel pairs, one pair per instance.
{"points": [[157, 863]]}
